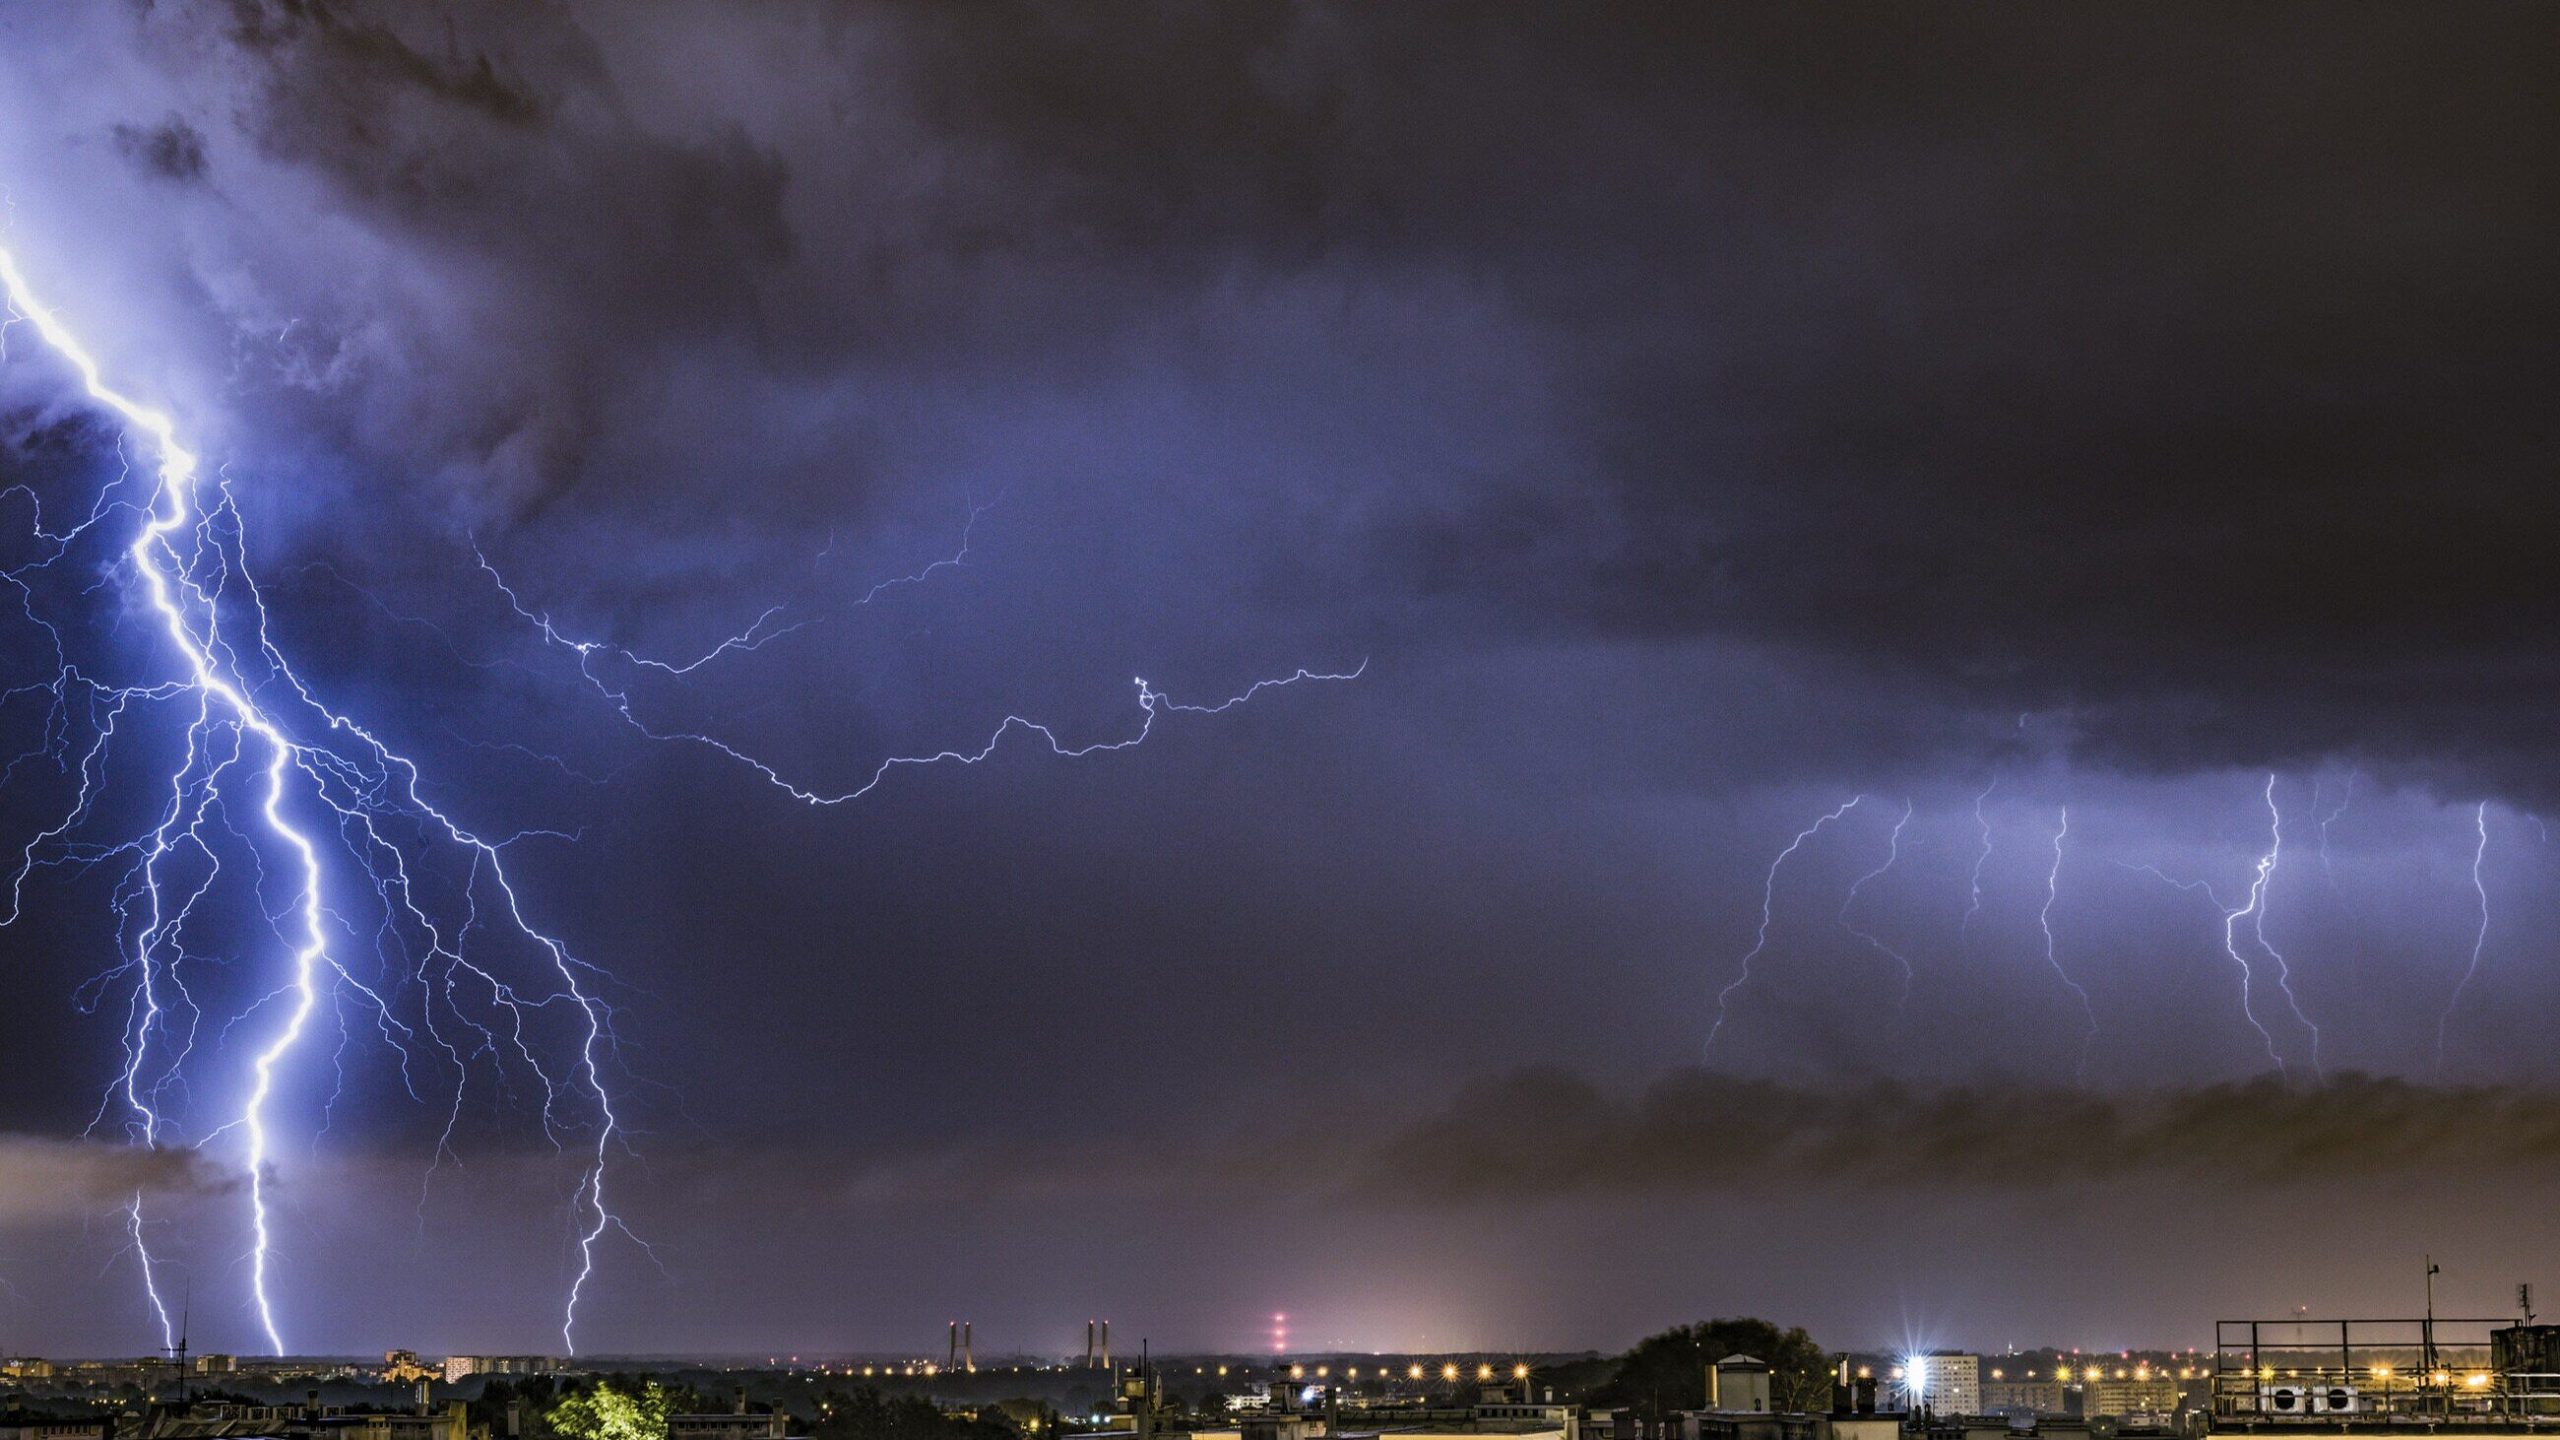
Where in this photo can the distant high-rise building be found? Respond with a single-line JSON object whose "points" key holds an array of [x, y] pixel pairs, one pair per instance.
{"points": [[1948, 1382]]}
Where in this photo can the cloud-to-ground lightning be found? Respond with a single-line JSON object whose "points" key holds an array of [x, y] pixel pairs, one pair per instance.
{"points": [[1973, 901], [270, 789], [2248, 976], [168, 554], [2044, 922], [1768, 916], [2255, 912], [1893, 853], [2479, 937]]}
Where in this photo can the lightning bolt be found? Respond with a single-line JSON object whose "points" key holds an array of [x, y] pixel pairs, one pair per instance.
{"points": [[2044, 922], [2255, 912], [164, 567], [1973, 903], [1768, 911], [2248, 977], [2479, 938], [1893, 853], [346, 812], [1152, 703]]}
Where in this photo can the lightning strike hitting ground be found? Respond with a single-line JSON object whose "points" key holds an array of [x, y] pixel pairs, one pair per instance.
{"points": [[1893, 852], [1768, 909], [473, 991], [2044, 922], [2479, 938]]}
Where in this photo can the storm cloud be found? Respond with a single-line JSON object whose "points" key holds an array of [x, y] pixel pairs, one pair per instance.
{"points": [[44, 1180], [1695, 416]]}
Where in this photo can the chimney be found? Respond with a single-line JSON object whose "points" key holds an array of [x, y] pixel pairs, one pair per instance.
{"points": [[1088, 1344], [311, 1405], [738, 1399], [1106, 1344], [424, 1408], [968, 1347], [951, 1348]]}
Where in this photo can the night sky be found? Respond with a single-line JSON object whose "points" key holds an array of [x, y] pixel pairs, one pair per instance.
{"points": [[1694, 417]]}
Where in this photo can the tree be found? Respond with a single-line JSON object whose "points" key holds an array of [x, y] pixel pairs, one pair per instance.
{"points": [[1668, 1372], [610, 1413]]}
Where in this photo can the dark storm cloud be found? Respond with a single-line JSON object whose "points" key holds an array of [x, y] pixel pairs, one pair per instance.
{"points": [[172, 149], [44, 1179], [1549, 1133], [579, 249], [2177, 365], [1545, 1134]]}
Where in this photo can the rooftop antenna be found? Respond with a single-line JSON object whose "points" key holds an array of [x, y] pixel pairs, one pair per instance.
{"points": [[178, 1352], [2432, 1268]]}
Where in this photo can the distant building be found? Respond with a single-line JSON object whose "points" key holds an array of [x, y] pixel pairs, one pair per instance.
{"points": [[2145, 1392], [462, 1367], [2022, 1397], [1530, 1417], [402, 1367], [1945, 1382], [447, 1423], [739, 1423]]}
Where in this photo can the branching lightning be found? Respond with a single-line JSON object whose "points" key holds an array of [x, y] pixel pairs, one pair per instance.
{"points": [[1893, 853], [2248, 976], [270, 789], [1768, 915], [2255, 912], [2044, 922], [2479, 938], [1151, 702]]}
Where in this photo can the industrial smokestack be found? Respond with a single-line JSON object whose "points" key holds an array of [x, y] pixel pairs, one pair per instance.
{"points": [[968, 1348], [1106, 1344], [1088, 1344], [951, 1348]]}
